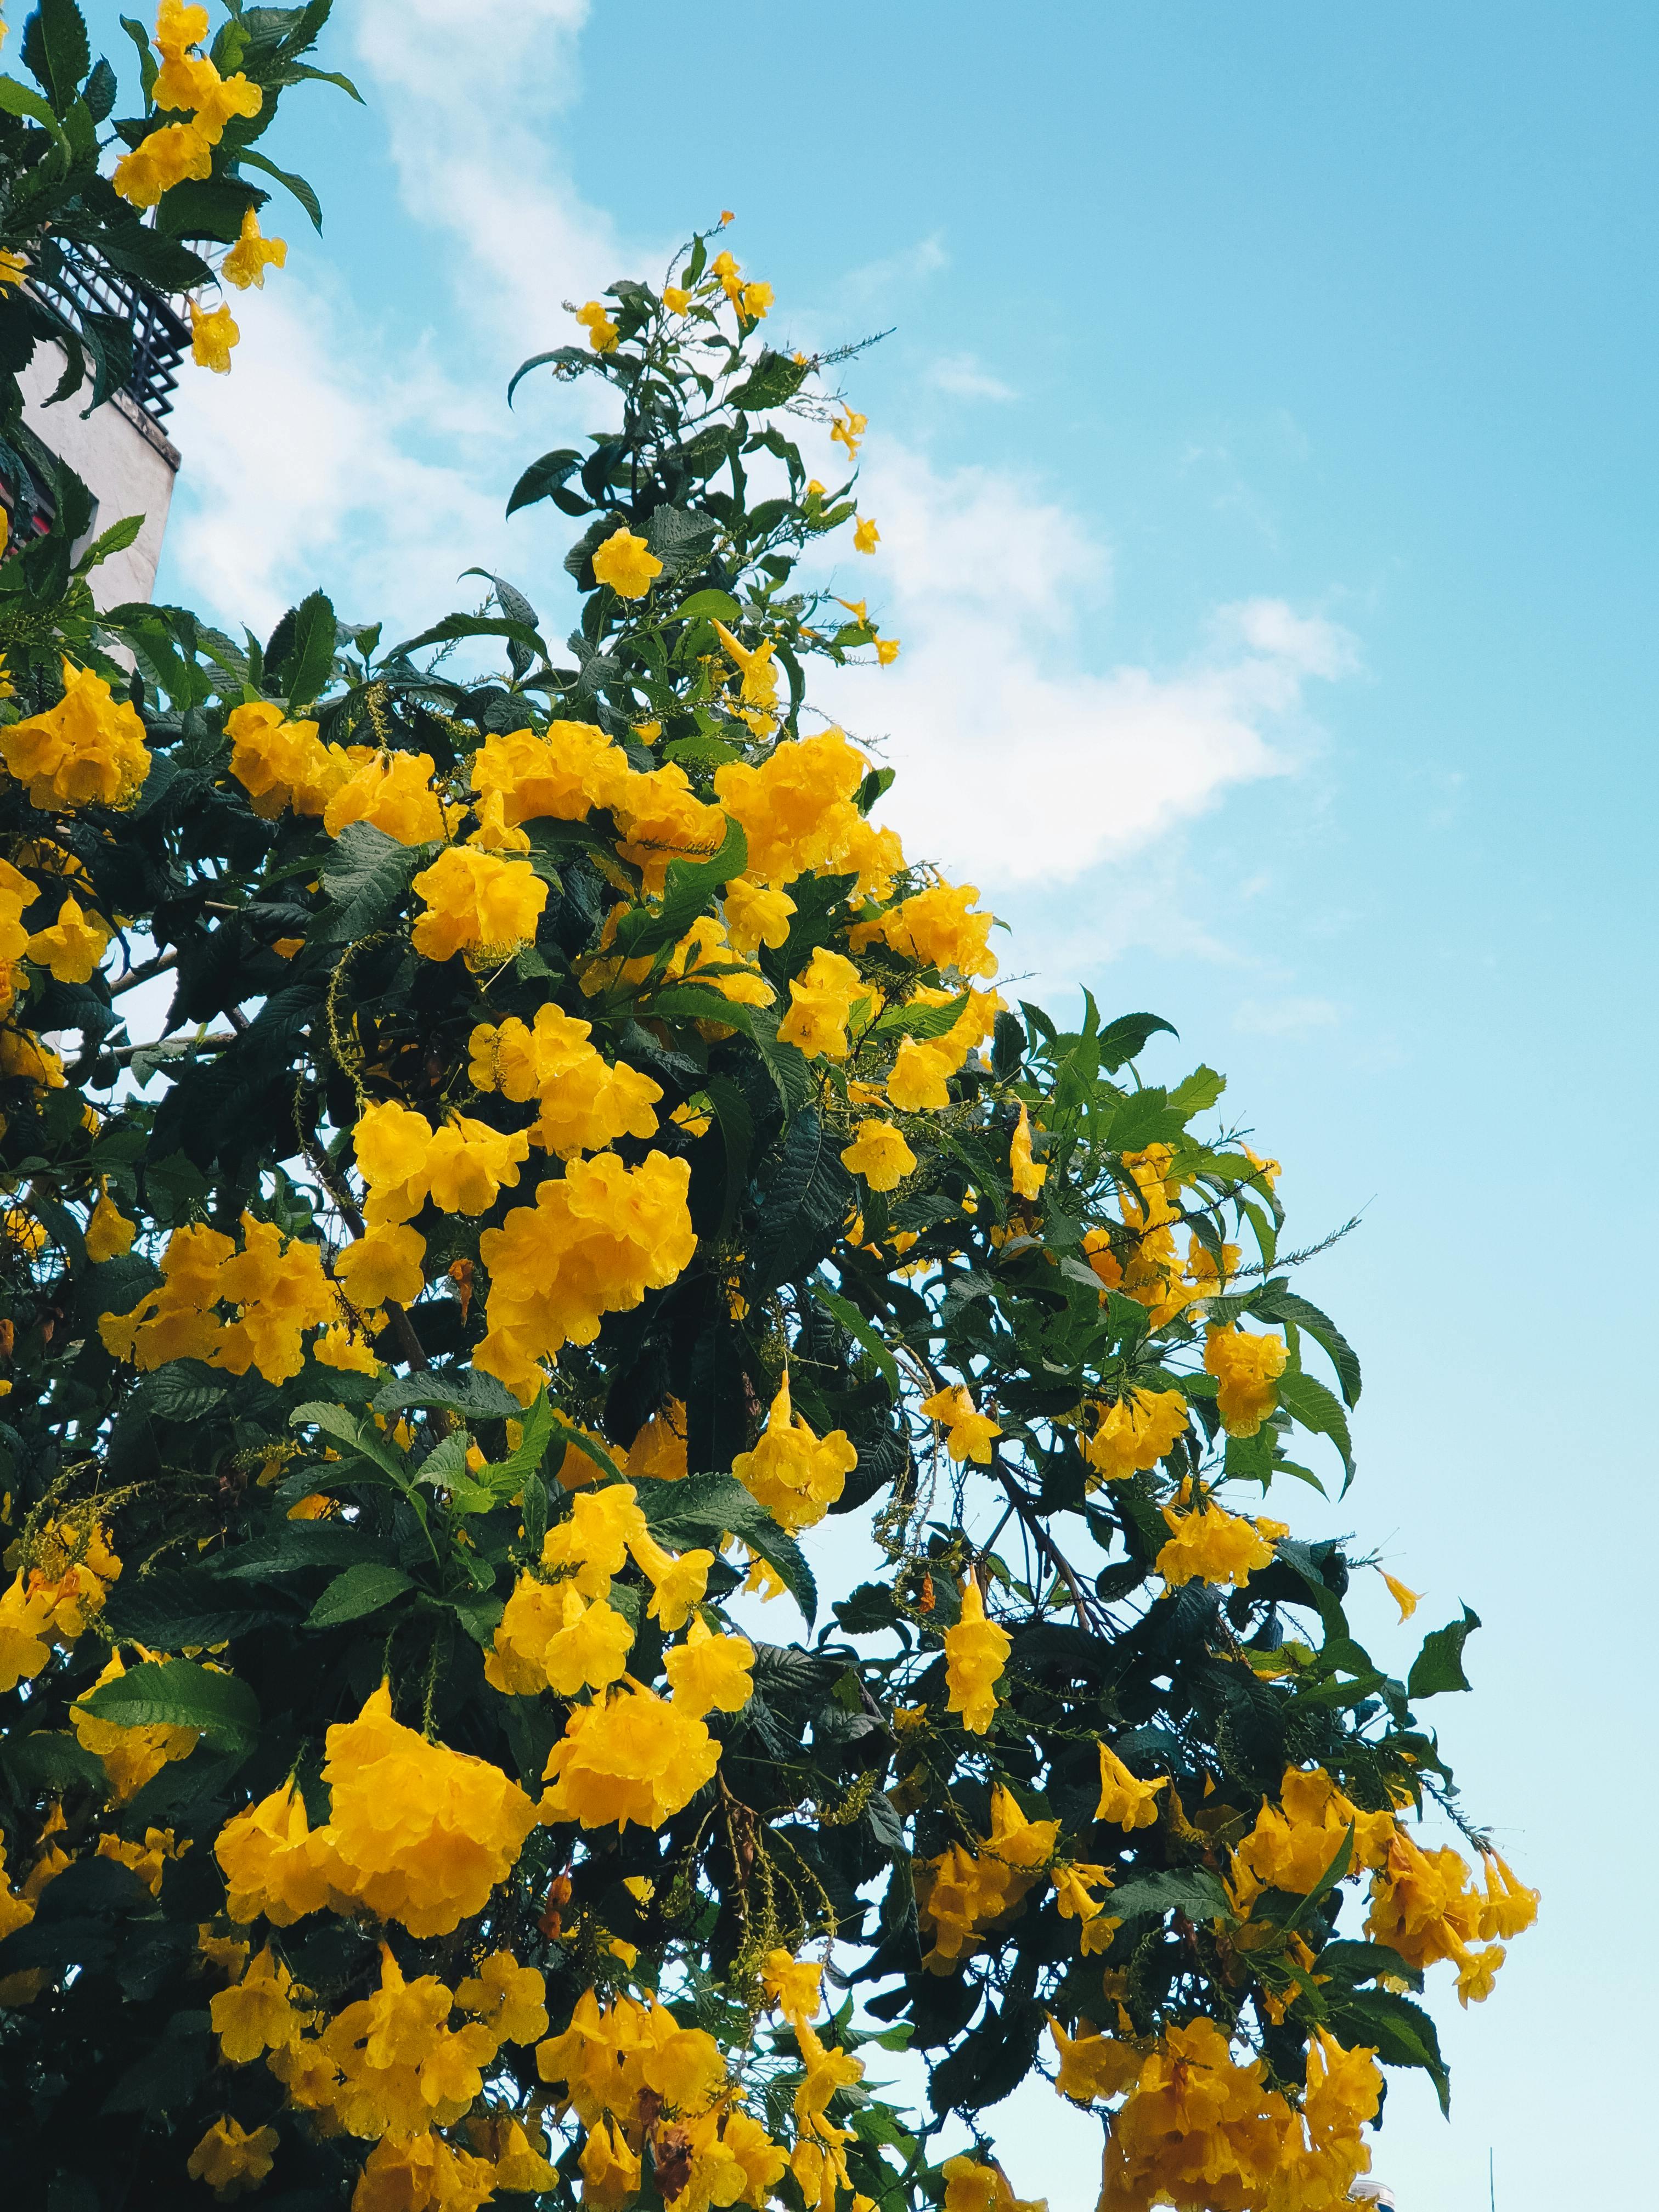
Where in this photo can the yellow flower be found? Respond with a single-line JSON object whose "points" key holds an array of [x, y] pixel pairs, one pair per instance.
{"points": [[709, 1672], [109, 1233], [165, 159], [384, 1264], [393, 791], [1124, 1797], [756, 916], [936, 930], [1092, 2066], [256, 2015], [676, 301], [179, 26], [602, 332], [970, 2187], [1246, 1367], [795, 1473], [866, 535], [968, 1433], [887, 651], [821, 998], [1211, 1546], [73, 947], [631, 1757], [275, 1864], [1132, 1436], [252, 255], [919, 1082], [477, 905], [975, 1652], [87, 751], [229, 2158], [550, 1637], [754, 301], [847, 432], [1028, 1178], [626, 564], [1406, 1600], [13, 269], [511, 1999], [793, 1985], [211, 337], [563, 773], [879, 1153], [421, 1833]]}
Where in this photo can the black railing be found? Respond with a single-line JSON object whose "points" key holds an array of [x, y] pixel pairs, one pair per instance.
{"points": [[87, 285]]}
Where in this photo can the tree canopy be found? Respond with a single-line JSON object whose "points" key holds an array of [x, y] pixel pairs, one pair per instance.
{"points": [[584, 1157]]}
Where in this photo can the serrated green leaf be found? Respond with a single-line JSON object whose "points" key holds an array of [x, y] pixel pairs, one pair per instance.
{"points": [[179, 1693], [1438, 1667], [358, 1591]]}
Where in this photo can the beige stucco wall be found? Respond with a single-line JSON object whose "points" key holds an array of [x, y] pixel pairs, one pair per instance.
{"points": [[125, 461]]}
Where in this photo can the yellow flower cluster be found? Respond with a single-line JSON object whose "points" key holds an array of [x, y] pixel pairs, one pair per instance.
{"points": [[1197, 2129], [796, 809], [1214, 1545], [1132, 1435], [795, 1473], [390, 2069], [975, 1652], [963, 1891], [1426, 1906], [935, 929], [282, 763], [967, 1434], [584, 1101], [61, 1580], [461, 1167], [595, 1241], [972, 2187], [616, 2063], [278, 1290], [417, 1833], [822, 1000], [87, 751], [560, 777], [1246, 1368], [1150, 1269], [629, 1756], [189, 83], [479, 906]]}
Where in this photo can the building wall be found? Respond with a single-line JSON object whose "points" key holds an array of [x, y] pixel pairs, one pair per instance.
{"points": [[125, 461]]}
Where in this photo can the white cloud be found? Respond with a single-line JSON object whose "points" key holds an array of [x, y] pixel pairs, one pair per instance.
{"points": [[1022, 756], [960, 375], [1284, 1018], [1029, 755]]}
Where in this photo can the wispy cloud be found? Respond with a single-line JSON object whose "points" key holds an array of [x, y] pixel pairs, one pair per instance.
{"points": [[1286, 1017], [1031, 753], [960, 375]]}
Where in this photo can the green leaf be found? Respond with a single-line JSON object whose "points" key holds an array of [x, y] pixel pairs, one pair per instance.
{"points": [[710, 606], [178, 1693], [17, 100], [310, 659], [366, 873], [703, 1508], [855, 1323], [1198, 1091], [1400, 2033], [477, 1396], [1187, 1890], [1317, 1409], [544, 478], [58, 36], [1438, 1667], [115, 539], [775, 378], [153, 258], [1274, 1303], [304, 71], [541, 1425], [346, 1429], [358, 1591], [454, 628], [737, 1128], [1121, 1041], [920, 1022], [300, 190], [1351, 1963]]}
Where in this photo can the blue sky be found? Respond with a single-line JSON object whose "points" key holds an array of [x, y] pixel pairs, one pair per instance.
{"points": [[1265, 454]]}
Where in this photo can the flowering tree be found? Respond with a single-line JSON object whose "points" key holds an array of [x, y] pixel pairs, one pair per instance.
{"points": [[584, 1153]]}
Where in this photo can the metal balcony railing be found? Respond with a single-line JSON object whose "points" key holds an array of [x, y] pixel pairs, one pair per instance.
{"points": [[160, 336]]}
